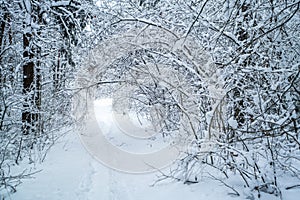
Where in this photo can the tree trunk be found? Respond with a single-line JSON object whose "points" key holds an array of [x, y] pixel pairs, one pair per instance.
{"points": [[31, 76], [28, 117]]}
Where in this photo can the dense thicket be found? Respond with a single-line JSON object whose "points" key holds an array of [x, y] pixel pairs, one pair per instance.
{"points": [[254, 121], [246, 100], [37, 62]]}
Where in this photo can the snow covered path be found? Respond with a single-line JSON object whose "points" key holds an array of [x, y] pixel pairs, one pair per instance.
{"points": [[69, 172]]}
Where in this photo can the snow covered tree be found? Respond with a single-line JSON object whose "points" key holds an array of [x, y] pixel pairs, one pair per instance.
{"points": [[38, 42], [255, 48]]}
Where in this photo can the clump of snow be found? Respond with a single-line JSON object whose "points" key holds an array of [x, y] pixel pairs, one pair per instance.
{"points": [[232, 123]]}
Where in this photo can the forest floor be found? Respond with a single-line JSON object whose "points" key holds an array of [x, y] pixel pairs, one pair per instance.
{"points": [[69, 172]]}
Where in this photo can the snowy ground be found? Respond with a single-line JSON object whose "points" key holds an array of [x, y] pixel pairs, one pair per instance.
{"points": [[71, 173]]}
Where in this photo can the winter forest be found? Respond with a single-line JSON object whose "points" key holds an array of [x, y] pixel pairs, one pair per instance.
{"points": [[217, 78]]}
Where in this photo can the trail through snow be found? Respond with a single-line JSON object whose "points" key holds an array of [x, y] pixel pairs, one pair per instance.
{"points": [[71, 173]]}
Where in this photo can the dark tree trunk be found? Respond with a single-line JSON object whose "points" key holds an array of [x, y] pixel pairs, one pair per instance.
{"points": [[28, 117], [2, 28], [31, 78]]}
